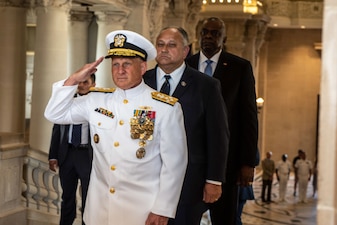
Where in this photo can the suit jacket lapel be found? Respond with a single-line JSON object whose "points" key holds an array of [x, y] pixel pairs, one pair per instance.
{"points": [[222, 65], [151, 78], [194, 62], [185, 81], [64, 132]]}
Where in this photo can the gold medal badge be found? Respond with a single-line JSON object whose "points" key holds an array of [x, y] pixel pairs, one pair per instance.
{"points": [[142, 126]]}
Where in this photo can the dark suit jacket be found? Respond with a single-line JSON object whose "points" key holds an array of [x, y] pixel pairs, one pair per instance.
{"points": [[59, 145], [206, 127], [238, 90]]}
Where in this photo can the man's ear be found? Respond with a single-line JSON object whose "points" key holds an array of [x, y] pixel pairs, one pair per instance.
{"points": [[143, 67], [224, 40], [186, 51]]}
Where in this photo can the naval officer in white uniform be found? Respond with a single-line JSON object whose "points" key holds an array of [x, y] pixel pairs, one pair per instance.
{"points": [[138, 137]]}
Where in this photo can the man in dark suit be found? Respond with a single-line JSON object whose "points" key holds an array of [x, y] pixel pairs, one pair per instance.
{"points": [[205, 119], [72, 159], [238, 90]]}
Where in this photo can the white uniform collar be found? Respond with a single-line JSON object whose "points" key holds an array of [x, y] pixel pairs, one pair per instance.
{"points": [[132, 92]]}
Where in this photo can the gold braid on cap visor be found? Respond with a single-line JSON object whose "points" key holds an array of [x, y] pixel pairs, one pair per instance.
{"points": [[125, 52]]}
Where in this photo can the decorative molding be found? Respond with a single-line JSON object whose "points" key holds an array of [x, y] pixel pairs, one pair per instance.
{"points": [[295, 14], [63, 4], [156, 9], [111, 13], [192, 18], [81, 16], [13, 3]]}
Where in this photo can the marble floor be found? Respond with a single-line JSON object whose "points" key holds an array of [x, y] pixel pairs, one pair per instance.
{"points": [[290, 212]]}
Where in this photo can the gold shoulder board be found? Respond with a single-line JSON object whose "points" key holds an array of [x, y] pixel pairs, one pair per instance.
{"points": [[101, 89], [164, 98]]}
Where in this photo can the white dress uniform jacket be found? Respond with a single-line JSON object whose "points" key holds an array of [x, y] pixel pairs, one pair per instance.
{"points": [[124, 189], [283, 170], [304, 168]]}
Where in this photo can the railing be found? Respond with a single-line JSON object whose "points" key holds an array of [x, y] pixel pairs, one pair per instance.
{"points": [[41, 189]]}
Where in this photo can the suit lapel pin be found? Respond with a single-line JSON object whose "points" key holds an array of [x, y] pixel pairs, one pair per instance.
{"points": [[183, 83]]}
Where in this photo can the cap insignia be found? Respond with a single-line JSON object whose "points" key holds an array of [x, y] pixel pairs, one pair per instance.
{"points": [[119, 40]]}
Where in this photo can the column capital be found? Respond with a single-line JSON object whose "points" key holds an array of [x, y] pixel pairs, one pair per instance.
{"points": [[256, 29], [81, 15], [13, 3], [192, 18], [112, 13], [156, 8], [63, 4]]}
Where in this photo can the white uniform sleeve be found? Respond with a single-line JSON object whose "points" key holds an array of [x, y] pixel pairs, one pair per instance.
{"points": [[173, 149], [63, 108]]}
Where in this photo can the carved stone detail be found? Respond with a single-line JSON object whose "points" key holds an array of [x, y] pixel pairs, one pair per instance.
{"points": [[63, 4], [12, 3], [109, 17], [40, 188], [295, 9], [192, 18], [111, 13], [82, 16], [156, 10]]}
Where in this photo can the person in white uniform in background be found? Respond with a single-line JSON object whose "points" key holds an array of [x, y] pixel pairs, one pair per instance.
{"points": [[282, 170], [138, 138], [303, 169]]}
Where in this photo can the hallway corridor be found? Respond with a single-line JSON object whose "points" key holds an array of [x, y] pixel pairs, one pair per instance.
{"points": [[290, 212]]}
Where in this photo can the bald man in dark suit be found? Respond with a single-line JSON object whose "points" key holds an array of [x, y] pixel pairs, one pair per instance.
{"points": [[238, 91], [206, 125]]}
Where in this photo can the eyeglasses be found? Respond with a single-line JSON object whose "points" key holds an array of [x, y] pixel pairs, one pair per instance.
{"points": [[214, 33]]}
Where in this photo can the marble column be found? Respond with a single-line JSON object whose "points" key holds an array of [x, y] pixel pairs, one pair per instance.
{"points": [[327, 159], [175, 14], [78, 38], [184, 14], [109, 18], [139, 17], [50, 65], [154, 14], [12, 67], [146, 19], [255, 31], [191, 19], [12, 113], [236, 28]]}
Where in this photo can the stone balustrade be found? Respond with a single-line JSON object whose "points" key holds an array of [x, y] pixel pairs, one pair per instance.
{"points": [[40, 189]]}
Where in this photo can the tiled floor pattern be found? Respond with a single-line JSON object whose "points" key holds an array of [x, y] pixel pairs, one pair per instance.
{"points": [[277, 213]]}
